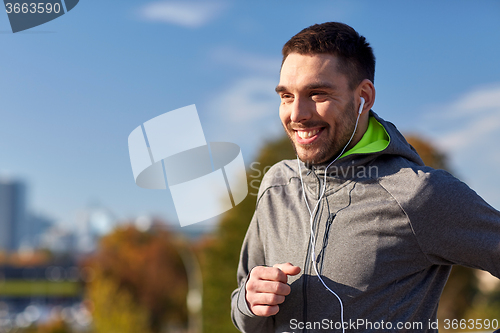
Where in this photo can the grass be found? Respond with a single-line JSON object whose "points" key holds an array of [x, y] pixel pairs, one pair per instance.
{"points": [[20, 288]]}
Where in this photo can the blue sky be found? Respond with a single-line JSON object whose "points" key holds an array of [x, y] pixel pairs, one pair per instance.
{"points": [[72, 90]]}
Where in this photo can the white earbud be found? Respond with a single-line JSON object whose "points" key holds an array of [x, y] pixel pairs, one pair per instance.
{"points": [[361, 105]]}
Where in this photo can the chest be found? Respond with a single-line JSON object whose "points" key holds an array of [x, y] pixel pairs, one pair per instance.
{"points": [[362, 237]]}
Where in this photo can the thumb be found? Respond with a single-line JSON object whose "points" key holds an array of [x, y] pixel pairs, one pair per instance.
{"points": [[288, 268]]}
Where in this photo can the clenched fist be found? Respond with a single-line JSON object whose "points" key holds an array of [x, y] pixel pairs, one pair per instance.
{"points": [[267, 287]]}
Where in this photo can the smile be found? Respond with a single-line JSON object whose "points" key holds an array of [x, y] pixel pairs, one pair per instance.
{"points": [[308, 135]]}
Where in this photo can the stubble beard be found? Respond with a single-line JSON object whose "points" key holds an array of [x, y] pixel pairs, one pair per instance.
{"points": [[333, 147]]}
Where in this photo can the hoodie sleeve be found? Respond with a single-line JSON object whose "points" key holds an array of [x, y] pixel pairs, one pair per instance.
{"points": [[453, 224], [252, 254]]}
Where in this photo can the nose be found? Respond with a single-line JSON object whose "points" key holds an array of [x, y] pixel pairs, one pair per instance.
{"points": [[300, 110]]}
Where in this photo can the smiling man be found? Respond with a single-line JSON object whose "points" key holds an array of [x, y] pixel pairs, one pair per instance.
{"points": [[318, 105], [372, 233]]}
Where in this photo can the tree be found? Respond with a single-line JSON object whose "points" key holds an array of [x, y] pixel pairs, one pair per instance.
{"points": [[56, 325], [144, 268], [114, 309], [429, 153]]}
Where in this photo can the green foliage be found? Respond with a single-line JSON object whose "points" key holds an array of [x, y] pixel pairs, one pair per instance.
{"points": [[114, 309], [23, 288], [458, 293], [486, 306], [430, 155], [222, 255]]}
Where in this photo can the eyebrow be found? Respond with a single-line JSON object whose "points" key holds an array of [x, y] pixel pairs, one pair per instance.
{"points": [[279, 89], [311, 86], [321, 85]]}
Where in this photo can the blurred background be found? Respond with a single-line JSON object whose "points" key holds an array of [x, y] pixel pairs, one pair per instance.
{"points": [[83, 249]]}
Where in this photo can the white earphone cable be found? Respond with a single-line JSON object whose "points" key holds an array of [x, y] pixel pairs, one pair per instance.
{"points": [[313, 238]]}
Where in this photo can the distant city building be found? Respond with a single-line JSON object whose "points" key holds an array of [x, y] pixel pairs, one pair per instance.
{"points": [[82, 238], [57, 239], [14, 228], [92, 223], [39, 225]]}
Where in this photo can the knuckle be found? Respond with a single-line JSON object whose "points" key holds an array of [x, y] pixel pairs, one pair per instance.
{"points": [[272, 310], [286, 289], [277, 273], [268, 312], [256, 271], [265, 311], [271, 299], [250, 297], [256, 311], [260, 312], [250, 285], [277, 299]]}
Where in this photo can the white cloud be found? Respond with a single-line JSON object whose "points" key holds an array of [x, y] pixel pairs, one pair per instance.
{"points": [[469, 121], [254, 62], [480, 100], [468, 131], [474, 130], [246, 112], [486, 98], [248, 100], [187, 14]]}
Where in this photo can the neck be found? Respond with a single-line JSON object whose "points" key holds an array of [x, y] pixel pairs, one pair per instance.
{"points": [[362, 126]]}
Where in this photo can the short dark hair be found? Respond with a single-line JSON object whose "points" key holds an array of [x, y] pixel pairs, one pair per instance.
{"points": [[356, 58]]}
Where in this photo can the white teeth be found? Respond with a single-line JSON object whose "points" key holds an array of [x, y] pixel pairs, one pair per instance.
{"points": [[306, 135]]}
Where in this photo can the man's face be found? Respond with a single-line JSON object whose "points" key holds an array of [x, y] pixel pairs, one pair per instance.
{"points": [[317, 107]]}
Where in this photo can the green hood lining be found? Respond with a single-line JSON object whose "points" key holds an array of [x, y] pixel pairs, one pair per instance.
{"points": [[374, 140]]}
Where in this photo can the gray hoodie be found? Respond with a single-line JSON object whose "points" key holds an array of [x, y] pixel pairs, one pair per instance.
{"points": [[387, 231]]}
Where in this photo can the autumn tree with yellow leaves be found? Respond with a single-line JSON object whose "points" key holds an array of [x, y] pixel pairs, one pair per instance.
{"points": [[139, 282]]}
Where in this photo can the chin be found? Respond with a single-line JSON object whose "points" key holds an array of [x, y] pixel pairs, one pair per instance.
{"points": [[308, 159]]}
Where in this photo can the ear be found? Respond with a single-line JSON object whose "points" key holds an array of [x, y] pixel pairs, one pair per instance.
{"points": [[366, 89]]}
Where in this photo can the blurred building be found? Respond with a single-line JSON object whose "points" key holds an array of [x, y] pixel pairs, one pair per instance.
{"points": [[58, 240], [14, 228], [39, 225], [91, 224]]}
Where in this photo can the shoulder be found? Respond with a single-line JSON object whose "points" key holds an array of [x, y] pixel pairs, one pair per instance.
{"points": [[431, 194], [405, 179]]}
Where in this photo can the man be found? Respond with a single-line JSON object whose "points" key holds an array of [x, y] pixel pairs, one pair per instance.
{"points": [[356, 234]]}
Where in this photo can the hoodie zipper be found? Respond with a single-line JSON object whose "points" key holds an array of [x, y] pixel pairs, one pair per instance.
{"points": [[321, 255], [315, 227]]}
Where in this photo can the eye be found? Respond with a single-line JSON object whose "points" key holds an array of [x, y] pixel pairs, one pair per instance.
{"points": [[315, 93], [286, 97], [318, 95]]}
